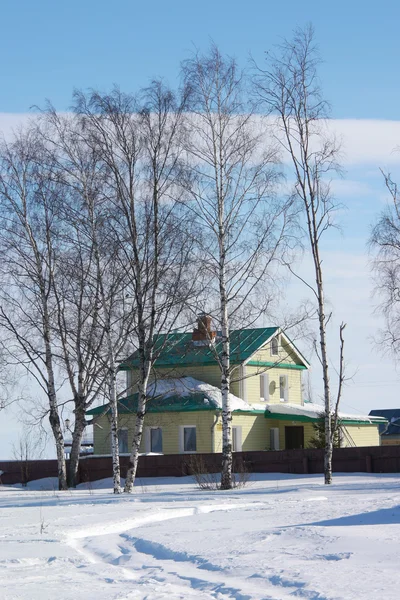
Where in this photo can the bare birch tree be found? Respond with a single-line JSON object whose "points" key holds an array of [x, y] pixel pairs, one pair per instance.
{"points": [[93, 294], [139, 143], [232, 176], [29, 262], [385, 243], [288, 89]]}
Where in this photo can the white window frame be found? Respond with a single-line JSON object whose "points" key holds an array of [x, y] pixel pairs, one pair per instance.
{"points": [[182, 439], [273, 340], [148, 438], [264, 387], [236, 438], [127, 440], [285, 388], [274, 438]]}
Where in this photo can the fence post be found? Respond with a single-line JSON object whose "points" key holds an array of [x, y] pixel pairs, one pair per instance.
{"points": [[305, 465]]}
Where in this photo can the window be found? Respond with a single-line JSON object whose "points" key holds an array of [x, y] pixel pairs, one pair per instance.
{"points": [[264, 387], [188, 440], [153, 439], [236, 439], [283, 388], [274, 346], [123, 440], [156, 439], [274, 438]]}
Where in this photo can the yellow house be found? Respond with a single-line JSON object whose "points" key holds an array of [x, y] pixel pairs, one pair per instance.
{"points": [[184, 405]]}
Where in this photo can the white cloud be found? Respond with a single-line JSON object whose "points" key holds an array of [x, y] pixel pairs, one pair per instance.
{"points": [[10, 122], [368, 141]]}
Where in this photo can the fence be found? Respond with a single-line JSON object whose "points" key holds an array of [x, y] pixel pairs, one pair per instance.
{"points": [[374, 459]]}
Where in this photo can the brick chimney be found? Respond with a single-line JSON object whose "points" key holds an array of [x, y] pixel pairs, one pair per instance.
{"points": [[203, 333]]}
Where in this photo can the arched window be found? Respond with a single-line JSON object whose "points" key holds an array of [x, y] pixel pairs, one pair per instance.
{"points": [[274, 346]]}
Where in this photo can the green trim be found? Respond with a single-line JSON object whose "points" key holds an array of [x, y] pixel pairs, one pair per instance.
{"points": [[249, 412], [285, 417], [263, 363], [124, 410], [306, 419], [356, 422], [297, 350]]}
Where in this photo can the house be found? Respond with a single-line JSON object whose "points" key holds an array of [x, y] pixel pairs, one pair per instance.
{"points": [[389, 430], [184, 406]]}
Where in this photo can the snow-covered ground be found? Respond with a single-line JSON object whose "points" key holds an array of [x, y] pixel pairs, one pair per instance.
{"points": [[282, 536]]}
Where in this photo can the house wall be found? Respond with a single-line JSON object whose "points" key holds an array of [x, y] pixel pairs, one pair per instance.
{"points": [[285, 354], [169, 422], [255, 433], [363, 435], [252, 384]]}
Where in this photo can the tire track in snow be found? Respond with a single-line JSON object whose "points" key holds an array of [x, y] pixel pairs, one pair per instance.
{"points": [[184, 568], [189, 574]]}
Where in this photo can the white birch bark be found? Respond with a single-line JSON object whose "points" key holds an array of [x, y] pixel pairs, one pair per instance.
{"points": [[289, 88]]}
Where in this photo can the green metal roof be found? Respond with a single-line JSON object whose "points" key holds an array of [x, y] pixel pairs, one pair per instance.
{"points": [[129, 405], [198, 402], [179, 349], [309, 419]]}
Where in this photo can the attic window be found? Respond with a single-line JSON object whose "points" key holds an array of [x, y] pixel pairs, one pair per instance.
{"points": [[274, 346]]}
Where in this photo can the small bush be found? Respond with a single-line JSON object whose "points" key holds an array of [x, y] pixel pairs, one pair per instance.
{"points": [[208, 480]]}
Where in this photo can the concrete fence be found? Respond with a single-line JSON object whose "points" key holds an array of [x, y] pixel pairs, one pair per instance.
{"points": [[374, 459]]}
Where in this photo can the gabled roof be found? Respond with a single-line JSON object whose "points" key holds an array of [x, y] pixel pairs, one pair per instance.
{"points": [[392, 415], [178, 349]]}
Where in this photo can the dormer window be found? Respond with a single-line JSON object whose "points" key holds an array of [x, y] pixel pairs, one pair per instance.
{"points": [[275, 346]]}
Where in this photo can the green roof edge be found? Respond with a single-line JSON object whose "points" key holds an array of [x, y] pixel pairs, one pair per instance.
{"points": [[263, 363]]}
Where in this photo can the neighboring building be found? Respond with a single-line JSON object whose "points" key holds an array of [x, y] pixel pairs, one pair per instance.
{"points": [[86, 445], [184, 406], [390, 430]]}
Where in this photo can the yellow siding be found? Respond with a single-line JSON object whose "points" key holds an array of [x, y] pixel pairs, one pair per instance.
{"points": [[285, 354], [363, 435], [169, 422], [255, 430], [255, 434], [253, 384]]}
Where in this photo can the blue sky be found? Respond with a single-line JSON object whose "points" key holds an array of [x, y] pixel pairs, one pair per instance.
{"points": [[50, 48]]}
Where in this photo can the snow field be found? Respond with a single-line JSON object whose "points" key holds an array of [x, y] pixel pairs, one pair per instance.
{"points": [[281, 537]]}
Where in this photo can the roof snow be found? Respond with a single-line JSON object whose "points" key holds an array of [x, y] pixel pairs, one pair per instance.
{"points": [[311, 410], [185, 386]]}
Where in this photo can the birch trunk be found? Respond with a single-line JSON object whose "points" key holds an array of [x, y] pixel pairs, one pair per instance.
{"points": [[59, 440], [111, 363], [325, 373], [54, 417], [77, 435], [226, 475], [114, 430], [138, 432]]}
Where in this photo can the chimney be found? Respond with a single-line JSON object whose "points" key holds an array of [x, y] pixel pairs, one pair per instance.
{"points": [[203, 334]]}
